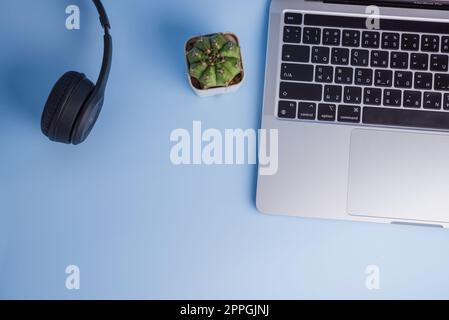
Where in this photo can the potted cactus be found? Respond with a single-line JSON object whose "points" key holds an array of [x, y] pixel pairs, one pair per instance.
{"points": [[214, 63]]}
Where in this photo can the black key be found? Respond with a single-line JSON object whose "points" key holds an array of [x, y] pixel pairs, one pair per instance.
{"points": [[340, 56], [320, 55], [301, 91], [410, 42], [292, 34], [383, 78], [287, 109], [295, 53], [432, 100], [442, 81], [399, 60], [385, 24], [423, 80], [372, 96], [445, 44], [439, 62], [351, 38], [392, 98], [412, 99], [327, 112], [324, 74], [296, 72], [446, 101], [344, 75], [430, 43], [379, 59], [312, 35], [406, 118], [403, 79], [370, 39], [352, 95], [307, 111], [364, 77], [419, 61], [332, 93], [351, 114], [390, 40], [293, 18], [359, 57], [331, 37]]}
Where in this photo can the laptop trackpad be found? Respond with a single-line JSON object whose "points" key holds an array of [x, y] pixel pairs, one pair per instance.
{"points": [[399, 175]]}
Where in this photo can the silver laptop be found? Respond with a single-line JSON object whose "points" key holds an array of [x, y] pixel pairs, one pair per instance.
{"points": [[360, 98]]}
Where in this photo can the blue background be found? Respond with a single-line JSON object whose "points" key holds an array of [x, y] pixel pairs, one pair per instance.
{"points": [[139, 227]]}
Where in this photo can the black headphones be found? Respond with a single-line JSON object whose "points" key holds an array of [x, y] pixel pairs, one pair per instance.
{"points": [[75, 102]]}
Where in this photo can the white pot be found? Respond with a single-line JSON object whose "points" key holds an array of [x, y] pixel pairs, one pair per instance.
{"points": [[219, 90]]}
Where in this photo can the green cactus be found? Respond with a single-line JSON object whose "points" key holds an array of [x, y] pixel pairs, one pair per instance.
{"points": [[214, 61]]}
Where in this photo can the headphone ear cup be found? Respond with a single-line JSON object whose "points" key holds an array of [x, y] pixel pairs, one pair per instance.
{"points": [[58, 98], [64, 105]]}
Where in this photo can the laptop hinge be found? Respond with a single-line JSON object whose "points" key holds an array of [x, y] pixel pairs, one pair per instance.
{"points": [[432, 5]]}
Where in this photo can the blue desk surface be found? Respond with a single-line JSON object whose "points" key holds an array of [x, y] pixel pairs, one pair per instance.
{"points": [[139, 227]]}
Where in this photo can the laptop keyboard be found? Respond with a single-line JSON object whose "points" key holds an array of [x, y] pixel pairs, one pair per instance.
{"points": [[335, 70]]}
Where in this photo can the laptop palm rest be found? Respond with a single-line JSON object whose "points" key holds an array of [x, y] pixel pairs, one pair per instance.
{"points": [[402, 176]]}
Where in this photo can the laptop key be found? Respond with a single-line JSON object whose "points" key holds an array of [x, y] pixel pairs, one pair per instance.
{"points": [[350, 114], [370, 39], [399, 60], [332, 93], [412, 99], [442, 81], [419, 61], [324, 74], [293, 18], [331, 37], [301, 91], [352, 95], [403, 79], [340, 56], [292, 34], [445, 44], [363, 77], [344, 75], [432, 100], [390, 40], [320, 55], [410, 42], [372, 96], [379, 59], [446, 101], [423, 80], [296, 72], [392, 98], [406, 118], [430, 43], [312, 35], [327, 112], [307, 111], [295, 53], [383, 78], [439, 62], [351, 38], [359, 57], [287, 109]]}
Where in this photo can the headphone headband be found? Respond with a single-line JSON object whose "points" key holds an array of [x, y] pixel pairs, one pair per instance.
{"points": [[104, 20]]}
